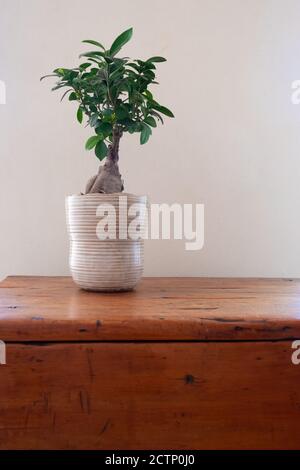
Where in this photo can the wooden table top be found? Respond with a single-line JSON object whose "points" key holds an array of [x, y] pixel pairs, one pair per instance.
{"points": [[160, 309]]}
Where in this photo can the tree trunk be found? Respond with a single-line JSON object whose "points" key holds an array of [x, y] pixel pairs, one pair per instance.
{"points": [[108, 180]]}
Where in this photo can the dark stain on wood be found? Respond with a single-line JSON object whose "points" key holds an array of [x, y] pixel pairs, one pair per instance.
{"points": [[224, 320], [241, 328], [189, 379], [84, 401], [35, 359], [275, 330], [104, 428]]}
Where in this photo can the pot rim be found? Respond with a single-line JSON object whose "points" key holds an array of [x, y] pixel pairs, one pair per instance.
{"points": [[104, 195]]}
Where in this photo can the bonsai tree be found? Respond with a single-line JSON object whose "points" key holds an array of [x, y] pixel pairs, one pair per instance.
{"points": [[113, 93]]}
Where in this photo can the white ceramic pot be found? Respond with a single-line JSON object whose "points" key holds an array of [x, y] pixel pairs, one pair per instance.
{"points": [[105, 265]]}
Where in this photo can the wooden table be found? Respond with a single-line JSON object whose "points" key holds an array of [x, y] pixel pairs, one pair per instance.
{"points": [[180, 363]]}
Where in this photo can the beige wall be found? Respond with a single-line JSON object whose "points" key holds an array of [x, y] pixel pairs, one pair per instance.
{"points": [[234, 145]]}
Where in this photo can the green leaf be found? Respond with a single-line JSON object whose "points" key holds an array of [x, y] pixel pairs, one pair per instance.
{"points": [[134, 127], [46, 76], [156, 59], [94, 43], [79, 115], [134, 66], [95, 61], [92, 54], [101, 150], [60, 71], [92, 142], [84, 66], [148, 95], [73, 96], [151, 121], [154, 113], [107, 115], [145, 134], [65, 93], [120, 41], [104, 129], [162, 109], [149, 74], [93, 120], [149, 65], [166, 111], [59, 85], [121, 113]]}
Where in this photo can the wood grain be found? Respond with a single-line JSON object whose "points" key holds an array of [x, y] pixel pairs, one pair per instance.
{"points": [[150, 396], [168, 309]]}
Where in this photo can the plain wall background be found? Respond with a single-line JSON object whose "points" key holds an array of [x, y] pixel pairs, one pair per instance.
{"points": [[233, 146]]}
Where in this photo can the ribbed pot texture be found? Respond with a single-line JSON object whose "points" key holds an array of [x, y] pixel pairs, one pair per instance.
{"points": [[103, 265]]}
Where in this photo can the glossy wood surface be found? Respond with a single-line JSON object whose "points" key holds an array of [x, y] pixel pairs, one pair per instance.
{"points": [[54, 309]]}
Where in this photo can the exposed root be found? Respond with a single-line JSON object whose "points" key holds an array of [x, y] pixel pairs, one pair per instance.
{"points": [[108, 180]]}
